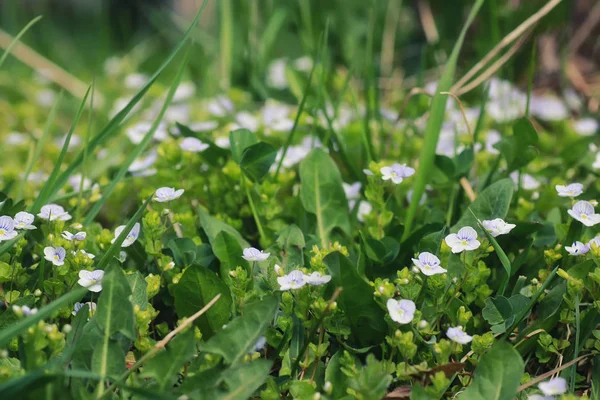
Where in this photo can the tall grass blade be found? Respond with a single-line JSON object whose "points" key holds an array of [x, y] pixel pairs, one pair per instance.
{"points": [[434, 125], [17, 38]]}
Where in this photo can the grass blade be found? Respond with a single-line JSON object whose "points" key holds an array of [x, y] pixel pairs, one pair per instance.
{"points": [[114, 123], [17, 38], [140, 147], [434, 125]]}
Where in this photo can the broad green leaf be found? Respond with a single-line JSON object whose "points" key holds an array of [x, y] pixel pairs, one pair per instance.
{"points": [[322, 194], [418, 393], [108, 359], [139, 294], [115, 311], [229, 252], [434, 123], [365, 316], [242, 380], [497, 310], [213, 226], [518, 149], [240, 336], [164, 367], [291, 244], [90, 336], [491, 203], [334, 374], [257, 160], [497, 376], [183, 250], [298, 338], [239, 141], [77, 324], [197, 286]]}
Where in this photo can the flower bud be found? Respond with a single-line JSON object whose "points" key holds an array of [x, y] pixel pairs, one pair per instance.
{"points": [[37, 292], [327, 387], [423, 324], [317, 396], [166, 211], [169, 266], [278, 270], [67, 328]]}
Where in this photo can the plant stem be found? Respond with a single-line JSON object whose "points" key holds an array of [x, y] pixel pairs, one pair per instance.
{"points": [[261, 232]]}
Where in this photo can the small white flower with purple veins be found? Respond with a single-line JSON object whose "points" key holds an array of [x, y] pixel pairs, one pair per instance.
{"points": [[364, 209], [91, 279], [78, 306], [497, 227], [428, 264], [79, 236], [458, 335], [402, 311], [317, 279], [577, 249], [294, 280], [131, 236], [571, 190], [7, 228], [554, 386], [165, 194], [396, 173], [253, 254], [193, 145], [464, 240], [52, 212], [583, 212], [24, 220], [260, 343], [56, 255]]}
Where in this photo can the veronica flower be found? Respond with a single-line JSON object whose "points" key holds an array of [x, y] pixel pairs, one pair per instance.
{"points": [[52, 212], [528, 182], [586, 126], [89, 255], [260, 343], [276, 74], [165, 194], [294, 280], [364, 209], [193, 145], [24, 310], [583, 212], [91, 279], [428, 264], [397, 172], [7, 228], [497, 227], [78, 306], [23, 220], [458, 335], [79, 236], [464, 240], [352, 192], [317, 279], [131, 236], [572, 190], [577, 249], [402, 311], [554, 386], [56, 255], [252, 254], [548, 108]]}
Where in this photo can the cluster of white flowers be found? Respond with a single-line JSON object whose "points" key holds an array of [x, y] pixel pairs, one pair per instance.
{"points": [[297, 279]]}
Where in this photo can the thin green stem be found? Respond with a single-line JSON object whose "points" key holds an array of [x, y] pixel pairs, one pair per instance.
{"points": [[84, 166], [261, 232]]}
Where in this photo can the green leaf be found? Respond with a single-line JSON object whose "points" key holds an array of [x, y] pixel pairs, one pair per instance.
{"points": [[242, 380], [165, 366], [241, 334], [291, 243], [497, 376], [365, 316], [518, 149], [213, 226], [491, 203], [334, 374], [115, 311], [257, 159], [77, 324], [322, 194], [418, 393], [139, 294], [240, 140], [197, 286], [229, 252], [497, 310], [108, 359], [183, 250], [434, 123]]}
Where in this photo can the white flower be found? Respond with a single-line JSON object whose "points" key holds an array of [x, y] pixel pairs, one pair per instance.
{"points": [[193, 145], [24, 310], [586, 126], [497, 227], [539, 397], [220, 106], [260, 343], [78, 306], [184, 91], [23, 220], [137, 132], [248, 121], [397, 172], [491, 139], [135, 81], [278, 270], [252, 254], [204, 126], [317, 279], [91, 279], [85, 253], [571, 190], [352, 190], [304, 63], [583, 212], [141, 166], [53, 212], [429, 264], [596, 163], [554, 386], [548, 108], [368, 172], [222, 142], [79, 236], [458, 335], [528, 182], [131, 236], [577, 249], [364, 209], [77, 184], [465, 239], [402, 311], [7, 228], [56, 255], [294, 280], [165, 194], [276, 74]]}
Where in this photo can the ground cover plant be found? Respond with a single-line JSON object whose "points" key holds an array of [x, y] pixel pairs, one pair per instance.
{"points": [[304, 231]]}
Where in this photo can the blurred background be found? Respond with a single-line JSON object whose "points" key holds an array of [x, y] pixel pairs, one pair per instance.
{"points": [[401, 42]]}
